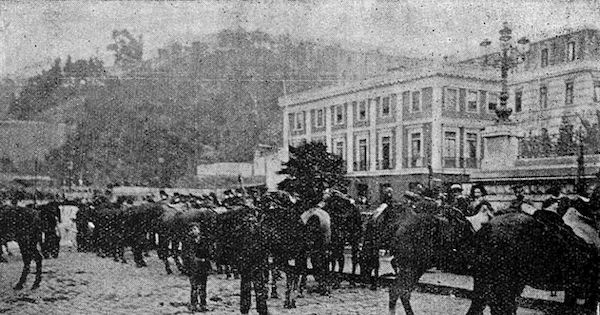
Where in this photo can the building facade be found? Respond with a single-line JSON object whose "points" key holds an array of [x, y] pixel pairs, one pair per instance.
{"points": [[399, 129], [426, 124]]}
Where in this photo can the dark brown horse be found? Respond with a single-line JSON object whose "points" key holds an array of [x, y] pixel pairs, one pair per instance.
{"points": [[346, 229], [423, 236], [172, 226], [516, 249], [292, 235], [23, 225]]}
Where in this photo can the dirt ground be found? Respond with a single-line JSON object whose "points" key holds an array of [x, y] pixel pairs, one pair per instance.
{"points": [[82, 283]]}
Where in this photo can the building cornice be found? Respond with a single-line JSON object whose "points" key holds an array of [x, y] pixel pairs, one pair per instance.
{"points": [[554, 71], [446, 70]]}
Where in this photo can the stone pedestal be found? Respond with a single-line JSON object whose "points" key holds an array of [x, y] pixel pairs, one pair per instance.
{"points": [[501, 147]]}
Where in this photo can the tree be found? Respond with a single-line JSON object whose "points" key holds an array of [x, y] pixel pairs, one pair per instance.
{"points": [[566, 143], [128, 50], [38, 94], [310, 170]]}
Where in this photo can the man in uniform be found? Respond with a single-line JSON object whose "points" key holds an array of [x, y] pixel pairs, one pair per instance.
{"points": [[196, 256], [457, 199], [253, 266]]}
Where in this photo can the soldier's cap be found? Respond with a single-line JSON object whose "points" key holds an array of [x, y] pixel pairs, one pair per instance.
{"points": [[456, 187]]}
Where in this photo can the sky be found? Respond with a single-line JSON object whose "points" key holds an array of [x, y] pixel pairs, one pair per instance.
{"points": [[33, 34]]}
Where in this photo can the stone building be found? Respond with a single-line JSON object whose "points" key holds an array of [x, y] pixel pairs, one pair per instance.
{"points": [[426, 124], [398, 129]]}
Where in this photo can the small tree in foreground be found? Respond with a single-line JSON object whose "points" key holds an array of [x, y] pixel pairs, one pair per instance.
{"points": [[310, 170]]}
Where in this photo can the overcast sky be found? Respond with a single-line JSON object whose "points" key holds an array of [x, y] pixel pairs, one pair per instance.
{"points": [[33, 34]]}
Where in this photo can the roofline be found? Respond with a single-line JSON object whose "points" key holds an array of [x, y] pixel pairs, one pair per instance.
{"points": [[387, 80]]}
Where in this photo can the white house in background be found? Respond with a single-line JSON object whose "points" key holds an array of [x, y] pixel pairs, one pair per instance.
{"points": [[412, 125]]}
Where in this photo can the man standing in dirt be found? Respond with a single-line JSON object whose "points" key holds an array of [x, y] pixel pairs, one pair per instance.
{"points": [[253, 265], [196, 256]]}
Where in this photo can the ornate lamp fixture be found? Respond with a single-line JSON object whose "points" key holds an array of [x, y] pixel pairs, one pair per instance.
{"points": [[512, 54]]}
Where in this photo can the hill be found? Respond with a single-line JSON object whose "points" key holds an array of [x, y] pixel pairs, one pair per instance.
{"points": [[151, 121]]}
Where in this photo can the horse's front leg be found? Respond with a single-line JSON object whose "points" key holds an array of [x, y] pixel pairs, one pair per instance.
{"points": [[38, 267], [163, 253], [26, 256], [291, 279], [274, 277]]}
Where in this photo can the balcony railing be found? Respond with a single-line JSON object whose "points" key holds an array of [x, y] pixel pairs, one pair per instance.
{"points": [[415, 162], [450, 162], [454, 162], [360, 166], [384, 164]]}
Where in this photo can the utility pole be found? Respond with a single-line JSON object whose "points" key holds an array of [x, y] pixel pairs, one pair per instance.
{"points": [[580, 180]]}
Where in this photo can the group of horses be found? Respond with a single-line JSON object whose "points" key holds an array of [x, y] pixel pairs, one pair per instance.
{"points": [[503, 253]]}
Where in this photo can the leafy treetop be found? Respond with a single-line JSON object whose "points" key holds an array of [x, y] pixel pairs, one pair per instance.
{"points": [[311, 169]]}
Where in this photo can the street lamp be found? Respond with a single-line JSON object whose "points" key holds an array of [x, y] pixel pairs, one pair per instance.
{"points": [[512, 54]]}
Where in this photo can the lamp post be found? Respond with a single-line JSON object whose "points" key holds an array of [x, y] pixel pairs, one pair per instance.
{"points": [[512, 54]]}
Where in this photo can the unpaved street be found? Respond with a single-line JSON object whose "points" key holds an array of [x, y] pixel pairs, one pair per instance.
{"points": [[81, 283]]}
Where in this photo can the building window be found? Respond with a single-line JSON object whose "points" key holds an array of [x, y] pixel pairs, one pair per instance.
{"points": [[471, 150], [362, 154], [339, 149], [569, 93], [299, 121], [597, 91], [415, 150], [543, 96], [385, 107], [320, 121], [451, 99], [416, 101], [362, 111], [450, 149], [339, 114], [571, 51], [472, 102], [518, 101], [544, 60], [492, 102], [386, 152]]}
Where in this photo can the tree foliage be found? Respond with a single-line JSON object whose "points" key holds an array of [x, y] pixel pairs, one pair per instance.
{"points": [[201, 103], [310, 170], [127, 49]]}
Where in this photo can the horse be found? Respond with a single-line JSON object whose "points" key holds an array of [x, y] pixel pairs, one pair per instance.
{"points": [[548, 257], [171, 227], [25, 227], [424, 235], [292, 235], [227, 223], [50, 216], [346, 229]]}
